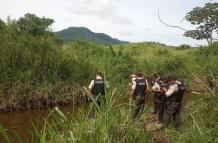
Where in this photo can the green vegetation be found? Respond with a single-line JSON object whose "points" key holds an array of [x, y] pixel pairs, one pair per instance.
{"points": [[36, 66], [34, 62], [206, 20], [112, 123], [81, 33], [184, 46]]}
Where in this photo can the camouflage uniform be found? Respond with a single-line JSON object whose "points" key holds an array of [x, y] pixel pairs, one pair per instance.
{"points": [[156, 96], [173, 105], [159, 102], [171, 113]]}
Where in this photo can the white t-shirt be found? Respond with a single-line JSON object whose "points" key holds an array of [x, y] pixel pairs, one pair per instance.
{"points": [[172, 89], [156, 86], [134, 78]]}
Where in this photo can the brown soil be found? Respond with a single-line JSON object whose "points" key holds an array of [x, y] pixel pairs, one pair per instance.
{"points": [[157, 131], [199, 84], [40, 102]]}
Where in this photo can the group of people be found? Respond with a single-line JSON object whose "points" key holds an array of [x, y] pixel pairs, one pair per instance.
{"points": [[167, 95]]}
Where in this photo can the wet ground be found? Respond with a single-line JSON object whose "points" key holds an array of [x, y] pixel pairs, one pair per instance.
{"points": [[22, 122]]}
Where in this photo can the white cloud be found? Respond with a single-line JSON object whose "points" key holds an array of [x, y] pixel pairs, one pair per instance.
{"points": [[102, 9], [125, 33], [127, 20]]}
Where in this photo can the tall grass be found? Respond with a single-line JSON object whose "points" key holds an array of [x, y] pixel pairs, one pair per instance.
{"points": [[109, 123], [112, 123], [35, 67], [40, 65], [199, 122]]}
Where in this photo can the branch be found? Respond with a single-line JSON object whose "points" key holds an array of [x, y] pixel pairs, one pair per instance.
{"points": [[172, 26]]}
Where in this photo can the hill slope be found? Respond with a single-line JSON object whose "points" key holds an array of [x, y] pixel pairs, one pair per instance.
{"points": [[78, 33]]}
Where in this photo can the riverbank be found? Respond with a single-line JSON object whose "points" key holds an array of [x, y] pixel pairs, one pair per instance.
{"points": [[42, 102], [25, 99], [22, 121], [72, 95]]}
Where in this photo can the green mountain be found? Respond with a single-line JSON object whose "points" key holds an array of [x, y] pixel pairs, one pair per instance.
{"points": [[83, 33]]}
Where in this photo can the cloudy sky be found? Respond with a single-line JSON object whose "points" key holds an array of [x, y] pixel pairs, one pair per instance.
{"points": [[130, 20]]}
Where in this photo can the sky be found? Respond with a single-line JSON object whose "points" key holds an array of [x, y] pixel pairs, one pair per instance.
{"points": [[129, 20]]}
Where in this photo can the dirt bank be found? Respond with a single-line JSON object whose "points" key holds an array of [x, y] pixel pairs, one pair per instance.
{"points": [[34, 100], [40, 102]]}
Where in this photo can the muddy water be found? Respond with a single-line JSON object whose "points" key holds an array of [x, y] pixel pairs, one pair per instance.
{"points": [[22, 122]]}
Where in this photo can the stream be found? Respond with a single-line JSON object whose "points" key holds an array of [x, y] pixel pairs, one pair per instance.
{"points": [[22, 122]]}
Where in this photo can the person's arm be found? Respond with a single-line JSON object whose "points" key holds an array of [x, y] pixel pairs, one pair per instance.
{"points": [[91, 85], [146, 89], [156, 88], [133, 89], [172, 89], [147, 85]]}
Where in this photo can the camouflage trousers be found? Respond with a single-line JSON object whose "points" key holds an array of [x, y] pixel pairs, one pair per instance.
{"points": [[172, 113], [155, 100], [138, 106], [160, 101]]}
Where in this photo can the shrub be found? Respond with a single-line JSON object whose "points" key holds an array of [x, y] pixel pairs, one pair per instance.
{"points": [[184, 46], [174, 64], [163, 52]]}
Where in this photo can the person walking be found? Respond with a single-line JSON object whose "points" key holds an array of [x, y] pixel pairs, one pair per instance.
{"points": [[160, 97], [97, 88], [156, 85], [139, 90], [174, 97]]}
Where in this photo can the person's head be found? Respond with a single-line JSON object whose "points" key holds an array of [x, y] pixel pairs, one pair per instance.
{"points": [[98, 73], [163, 79], [133, 75], [172, 79], [156, 74], [139, 74]]}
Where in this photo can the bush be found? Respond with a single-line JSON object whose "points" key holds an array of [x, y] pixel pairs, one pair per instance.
{"points": [[183, 46], [207, 58], [207, 51], [163, 52], [174, 64]]}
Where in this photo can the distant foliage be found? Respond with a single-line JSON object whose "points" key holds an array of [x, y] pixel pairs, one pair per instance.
{"points": [[211, 50], [206, 20], [121, 63], [163, 52], [207, 57], [82, 33], [184, 46], [34, 25], [174, 64]]}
